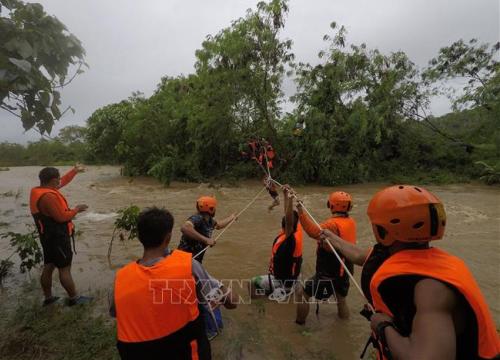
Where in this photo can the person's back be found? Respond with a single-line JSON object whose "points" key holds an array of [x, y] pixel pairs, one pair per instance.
{"points": [[330, 278], [286, 254], [157, 309], [327, 264], [155, 298]]}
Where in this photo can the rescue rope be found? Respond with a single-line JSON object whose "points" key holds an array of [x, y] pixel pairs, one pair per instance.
{"points": [[331, 247], [231, 222]]}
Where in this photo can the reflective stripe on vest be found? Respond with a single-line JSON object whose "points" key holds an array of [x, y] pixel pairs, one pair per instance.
{"points": [[35, 196], [154, 302], [437, 264], [297, 252]]}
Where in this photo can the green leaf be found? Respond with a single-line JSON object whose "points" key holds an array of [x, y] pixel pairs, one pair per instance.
{"points": [[55, 111], [45, 99], [24, 49], [21, 64]]}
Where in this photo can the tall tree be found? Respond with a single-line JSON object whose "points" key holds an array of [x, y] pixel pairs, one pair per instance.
{"points": [[249, 60]]}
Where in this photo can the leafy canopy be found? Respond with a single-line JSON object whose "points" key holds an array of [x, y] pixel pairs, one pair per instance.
{"points": [[36, 54]]}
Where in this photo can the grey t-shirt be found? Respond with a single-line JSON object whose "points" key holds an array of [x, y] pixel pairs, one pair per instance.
{"points": [[205, 283]]}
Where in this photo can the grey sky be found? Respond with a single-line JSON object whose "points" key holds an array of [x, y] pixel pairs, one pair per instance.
{"points": [[130, 47]]}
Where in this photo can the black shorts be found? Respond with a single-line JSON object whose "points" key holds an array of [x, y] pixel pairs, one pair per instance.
{"points": [[322, 287], [57, 251]]}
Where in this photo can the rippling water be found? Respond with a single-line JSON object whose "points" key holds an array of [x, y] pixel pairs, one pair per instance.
{"points": [[261, 329]]}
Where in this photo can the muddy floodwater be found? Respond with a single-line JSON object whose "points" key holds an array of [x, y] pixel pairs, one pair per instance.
{"points": [[262, 329]]}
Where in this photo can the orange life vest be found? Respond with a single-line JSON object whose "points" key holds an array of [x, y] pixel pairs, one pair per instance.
{"points": [[155, 302], [437, 264], [327, 263], [286, 257], [43, 222]]}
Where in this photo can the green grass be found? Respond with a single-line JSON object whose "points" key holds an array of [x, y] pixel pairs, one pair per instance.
{"points": [[56, 333]]}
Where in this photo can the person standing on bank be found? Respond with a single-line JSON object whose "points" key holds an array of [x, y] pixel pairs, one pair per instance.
{"points": [[428, 305], [53, 216]]}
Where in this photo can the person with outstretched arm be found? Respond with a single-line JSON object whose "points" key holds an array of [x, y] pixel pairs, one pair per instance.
{"points": [[53, 220]]}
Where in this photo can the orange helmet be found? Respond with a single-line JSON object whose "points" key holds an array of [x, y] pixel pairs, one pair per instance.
{"points": [[339, 201], [206, 204], [406, 213]]}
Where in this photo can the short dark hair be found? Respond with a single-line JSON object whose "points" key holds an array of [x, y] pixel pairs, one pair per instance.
{"points": [[295, 220], [47, 174], [153, 225]]}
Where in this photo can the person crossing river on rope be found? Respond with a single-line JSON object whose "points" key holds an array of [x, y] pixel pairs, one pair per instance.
{"points": [[286, 255], [197, 230], [273, 192], [428, 305], [330, 277]]}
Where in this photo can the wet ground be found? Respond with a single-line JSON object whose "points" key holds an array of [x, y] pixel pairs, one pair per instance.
{"points": [[262, 329]]}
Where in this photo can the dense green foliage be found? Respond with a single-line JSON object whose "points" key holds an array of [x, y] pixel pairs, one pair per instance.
{"points": [[36, 55], [359, 114], [365, 113], [67, 148]]}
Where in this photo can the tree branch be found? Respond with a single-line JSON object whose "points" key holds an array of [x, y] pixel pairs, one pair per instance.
{"points": [[7, 109]]}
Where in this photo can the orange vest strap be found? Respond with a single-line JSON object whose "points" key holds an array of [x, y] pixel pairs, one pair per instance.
{"points": [[299, 236]]}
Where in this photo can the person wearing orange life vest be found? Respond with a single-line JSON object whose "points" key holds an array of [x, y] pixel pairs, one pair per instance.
{"points": [[428, 304], [197, 230], [286, 254], [52, 217], [157, 299], [330, 277]]}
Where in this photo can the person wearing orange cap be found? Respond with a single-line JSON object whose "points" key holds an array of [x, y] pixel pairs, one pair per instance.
{"points": [[428, 305], [330, 277], [197, 230]]}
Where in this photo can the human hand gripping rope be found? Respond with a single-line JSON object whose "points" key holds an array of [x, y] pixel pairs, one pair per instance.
{"points": [[369, 306], [231, 222]]}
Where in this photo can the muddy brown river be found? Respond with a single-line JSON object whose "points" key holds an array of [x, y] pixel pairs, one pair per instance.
{"points": [[261, 329]]}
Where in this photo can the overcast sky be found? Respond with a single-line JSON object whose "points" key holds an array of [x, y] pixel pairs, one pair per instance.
{"points": [[130, 47]]}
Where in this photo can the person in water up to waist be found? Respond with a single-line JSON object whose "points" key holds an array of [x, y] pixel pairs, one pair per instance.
{"points": [[286, 254], [330, 277], [157, 299], [53, 216], [197, 230], [428, 304]]}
